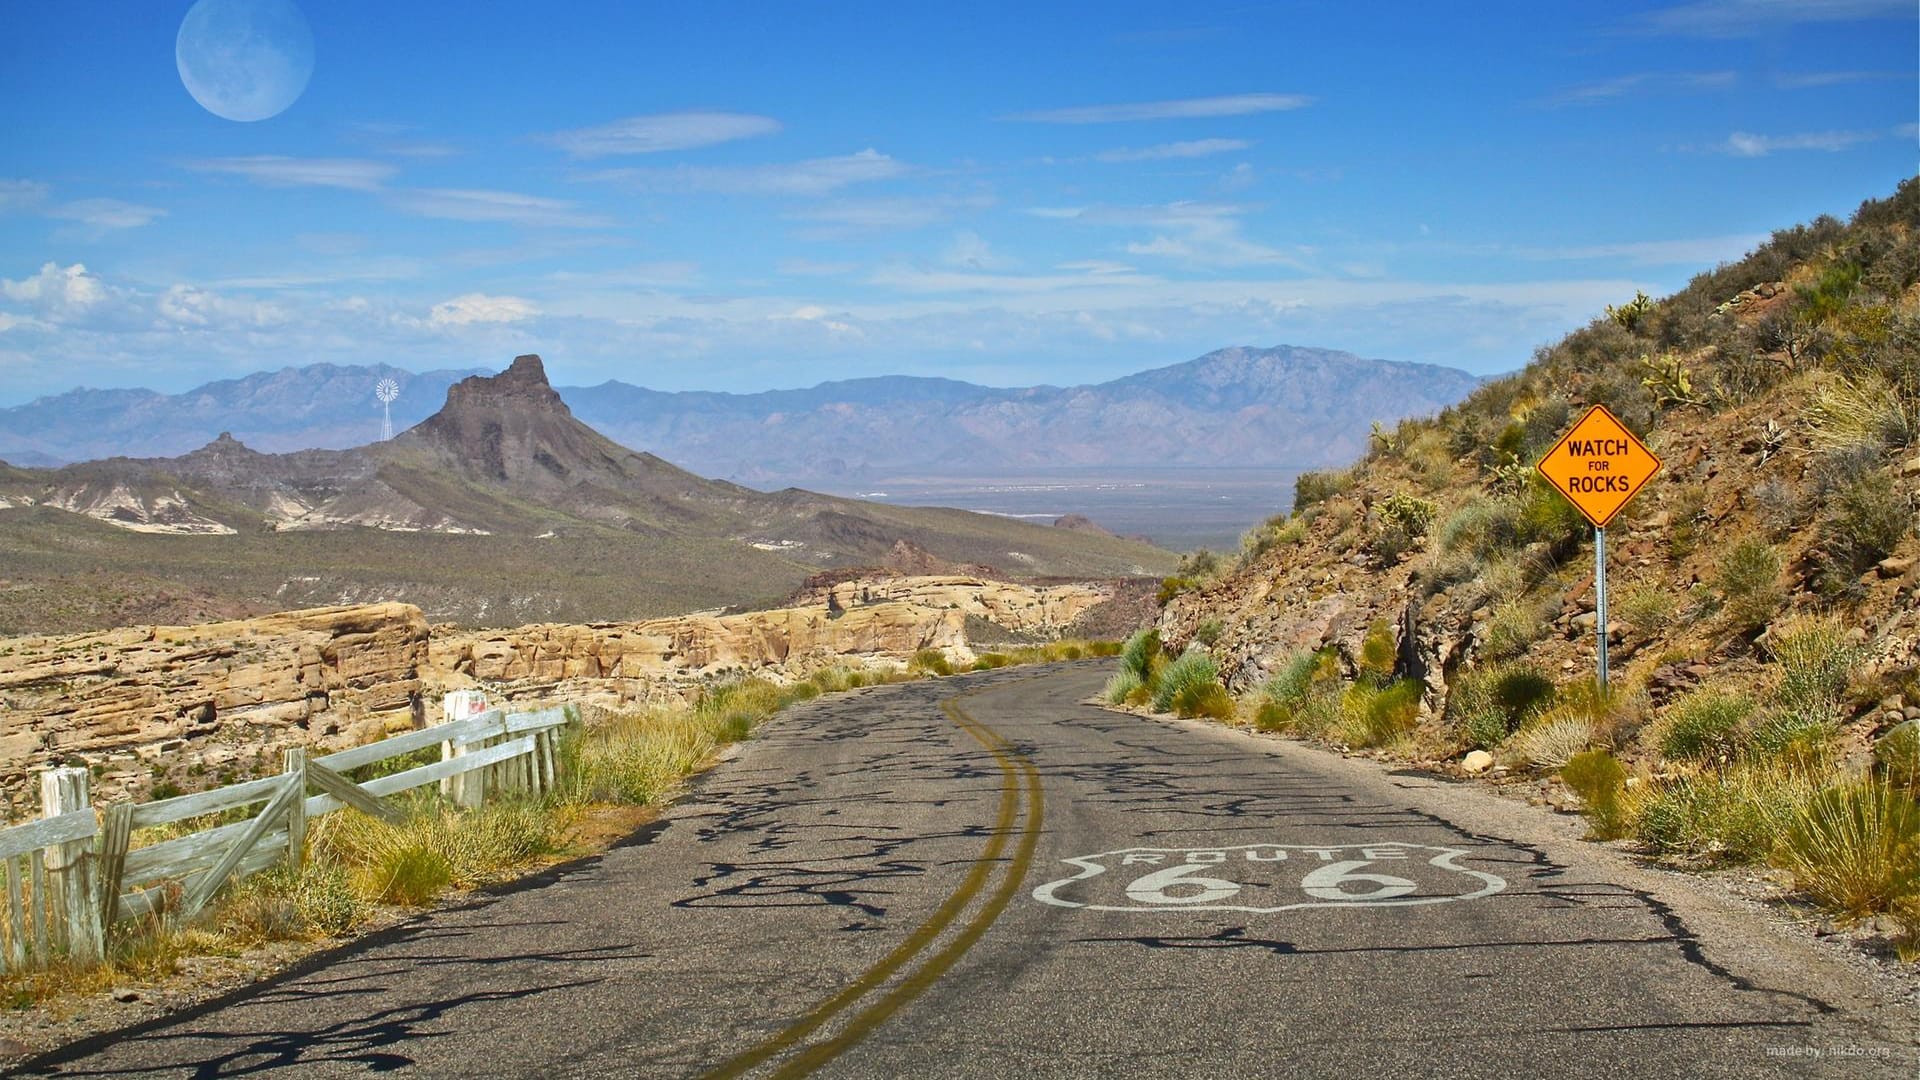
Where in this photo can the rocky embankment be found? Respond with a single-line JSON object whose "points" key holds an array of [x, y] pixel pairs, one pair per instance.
{"points": [[193, 705]]}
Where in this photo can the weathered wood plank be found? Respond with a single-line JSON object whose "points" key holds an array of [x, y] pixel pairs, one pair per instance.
{"points": [[351, 793], [296, 772], [520, 723], [146, 901], [275, 812], [68, 791], [425, 774], [182, 807], [116, 832], [17, 917], [37, 907], [486, 725], [47, 832]]}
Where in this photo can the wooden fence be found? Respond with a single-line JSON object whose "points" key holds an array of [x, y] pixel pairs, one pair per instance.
{"points": [[72, 875]]}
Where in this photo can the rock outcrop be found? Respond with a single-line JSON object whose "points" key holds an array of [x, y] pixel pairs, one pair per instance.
{"points": [[221, 696]]}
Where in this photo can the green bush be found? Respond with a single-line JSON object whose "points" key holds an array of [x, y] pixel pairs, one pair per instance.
{"points": [[1210, 700], [1194, 668], [1138, 653], [1864, 522], [1312, 488], [1599, 780], [1372, 715], [1748, 577], [1730, 815], [1481, 527], [1121, 686], [1208, 632], [1304, 677], [1816, 663], [1706, 724], [1795, 738], [1404, 521], [1647, 608], [1513, 628], [1897, 754], [1490, 703], [1378, 651], [930, 662], [1855, 848]]}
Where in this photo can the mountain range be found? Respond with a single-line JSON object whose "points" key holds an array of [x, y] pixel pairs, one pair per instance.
{"points": [[1284, 407], [501, 506]]}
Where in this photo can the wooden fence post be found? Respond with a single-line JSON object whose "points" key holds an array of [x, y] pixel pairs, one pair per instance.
{"points": [[70, 865], [296, 770], [116, 835]]}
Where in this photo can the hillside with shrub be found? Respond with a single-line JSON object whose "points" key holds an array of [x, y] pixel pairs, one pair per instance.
{"points": [[1435, 601]]}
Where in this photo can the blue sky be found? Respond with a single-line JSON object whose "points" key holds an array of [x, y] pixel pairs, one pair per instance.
{"points": [[746, 196]]}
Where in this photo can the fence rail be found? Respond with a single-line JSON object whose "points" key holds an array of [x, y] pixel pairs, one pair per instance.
{"points": [[73, 874]]}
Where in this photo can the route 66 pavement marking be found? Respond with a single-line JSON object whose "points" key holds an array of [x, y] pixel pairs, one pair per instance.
{"points": [[1269, 878]]}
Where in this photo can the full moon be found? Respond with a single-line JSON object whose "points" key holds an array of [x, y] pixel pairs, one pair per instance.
{"points": [[244, 59]]}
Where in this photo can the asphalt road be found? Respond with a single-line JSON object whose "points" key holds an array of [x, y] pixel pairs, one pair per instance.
{"points": [[982, 877]]}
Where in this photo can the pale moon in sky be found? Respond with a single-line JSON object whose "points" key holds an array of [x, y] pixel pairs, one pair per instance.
{"points": [[244, 59]]}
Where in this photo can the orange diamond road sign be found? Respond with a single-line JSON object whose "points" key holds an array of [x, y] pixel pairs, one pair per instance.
{"points": [[1599, 465]]}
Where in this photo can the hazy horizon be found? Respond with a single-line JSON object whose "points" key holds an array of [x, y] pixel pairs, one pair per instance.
{"points": [[738, 199]]}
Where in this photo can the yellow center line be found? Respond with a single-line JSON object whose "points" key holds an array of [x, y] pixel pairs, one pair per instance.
{"points": [[924, 934]]}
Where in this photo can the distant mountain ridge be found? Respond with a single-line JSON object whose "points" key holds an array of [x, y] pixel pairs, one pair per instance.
{"points": [[1283, 406]]}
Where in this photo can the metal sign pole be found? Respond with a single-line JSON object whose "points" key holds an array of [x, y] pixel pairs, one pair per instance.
{"points": [[1600, 592]]}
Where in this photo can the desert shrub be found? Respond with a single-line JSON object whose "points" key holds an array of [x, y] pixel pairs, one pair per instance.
{"points": [[1378, 650], [1706, 724], [1748, 576], [1481, 526], [1121, 686], [1547, 517], [1731, 815], [930, 662], [637, 757], [1488, 704], [1854, 848], [1138, 653], [1304, 677], [1599, 780], [1404, 522], [1795, 738], [1816, 663], [1553, 739], [1208, 699], [1864, 522], [1373, 715], [1208, 632], [1863, 410], [1897, 755], [1513, 628], [1104, 648], [1194, 668], [1313, 488], [1647, 608], [1778, 506], [323, 896]]}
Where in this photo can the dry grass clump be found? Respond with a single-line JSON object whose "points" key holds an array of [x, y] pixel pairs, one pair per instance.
{"points": [[1709, 724], [1854, 848], [1749, 579]]}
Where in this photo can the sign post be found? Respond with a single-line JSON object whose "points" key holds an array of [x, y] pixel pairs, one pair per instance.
{"points": [[1599, 466]]}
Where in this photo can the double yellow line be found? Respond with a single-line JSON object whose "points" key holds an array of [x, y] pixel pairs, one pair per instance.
{"points": [[1017, 777]]}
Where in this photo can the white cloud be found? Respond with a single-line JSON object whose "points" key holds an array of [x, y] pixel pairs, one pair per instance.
{"points": [[104, 214], [1182, 109], [969, 251], [1645, 82], [354, 174], [662, 131], [190, 306], [58, 292], [1165, 151], [897, 213], [1748, 18], [1745, 144], [481, 308], [815, 177], [16, 195], [1707, 250], [1193, 233], [1095, 266], [1807, 80], [458, 204]]}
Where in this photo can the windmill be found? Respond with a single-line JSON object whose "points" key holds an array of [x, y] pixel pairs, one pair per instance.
{"points": [[386, 391]]}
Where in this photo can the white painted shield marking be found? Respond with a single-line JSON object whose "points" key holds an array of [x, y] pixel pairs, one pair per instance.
{"points": [[1265, 878]]}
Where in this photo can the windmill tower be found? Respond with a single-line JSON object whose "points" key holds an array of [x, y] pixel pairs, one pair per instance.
{"points": [[386, 392]]}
